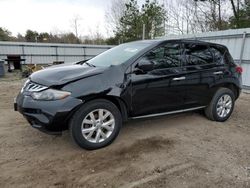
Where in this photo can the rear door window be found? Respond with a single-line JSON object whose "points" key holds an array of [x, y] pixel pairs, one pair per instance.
{"points": [[197, 54]]}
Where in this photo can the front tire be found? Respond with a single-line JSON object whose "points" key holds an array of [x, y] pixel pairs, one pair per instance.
{"points": [[221, 106], [96, 124]]}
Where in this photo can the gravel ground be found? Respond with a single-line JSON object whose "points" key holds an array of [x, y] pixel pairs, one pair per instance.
{"points": [[184, 150]]}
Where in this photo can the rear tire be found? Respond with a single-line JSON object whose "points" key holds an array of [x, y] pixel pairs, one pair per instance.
{"points": [[221, 105], [96, 124]]}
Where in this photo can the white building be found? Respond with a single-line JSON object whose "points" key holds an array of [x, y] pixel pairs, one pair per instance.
{"points": [[47, 53]]}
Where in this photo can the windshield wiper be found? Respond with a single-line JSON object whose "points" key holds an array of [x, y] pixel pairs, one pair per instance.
{"points": [[85, 62], [89, 64]]}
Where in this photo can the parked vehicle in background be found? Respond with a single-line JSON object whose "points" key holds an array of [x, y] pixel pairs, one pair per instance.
{"points": [[133, 80]]}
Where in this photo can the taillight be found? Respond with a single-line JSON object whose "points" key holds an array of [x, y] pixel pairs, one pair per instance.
{"points": [[239, 69]]}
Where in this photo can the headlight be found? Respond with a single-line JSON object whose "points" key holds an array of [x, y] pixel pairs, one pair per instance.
{"points": [[50, 95]]}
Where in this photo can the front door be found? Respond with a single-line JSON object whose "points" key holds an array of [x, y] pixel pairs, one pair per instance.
{"points": [[163, 88]]}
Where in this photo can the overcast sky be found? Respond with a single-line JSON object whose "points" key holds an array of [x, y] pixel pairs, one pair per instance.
{"points": [[53, 15]]}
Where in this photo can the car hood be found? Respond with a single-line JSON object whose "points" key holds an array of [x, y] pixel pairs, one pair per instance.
{"points": [[55, 76]]}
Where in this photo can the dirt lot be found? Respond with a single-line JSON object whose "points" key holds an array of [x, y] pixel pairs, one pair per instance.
{"points": [[184, 150]]}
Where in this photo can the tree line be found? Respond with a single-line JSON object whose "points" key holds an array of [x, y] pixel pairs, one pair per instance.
{"points": [[192, 16], [128, 20], [34, 36]]}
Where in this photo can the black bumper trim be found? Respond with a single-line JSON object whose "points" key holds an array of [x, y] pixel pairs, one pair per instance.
{"points": [[44, 130], [15, 107]]}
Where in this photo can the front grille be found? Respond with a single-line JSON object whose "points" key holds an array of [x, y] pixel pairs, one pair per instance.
{"points": [[32, 87]]}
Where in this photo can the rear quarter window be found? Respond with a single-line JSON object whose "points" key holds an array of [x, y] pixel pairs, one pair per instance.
{"points": [[228, 59], [217, 55]]}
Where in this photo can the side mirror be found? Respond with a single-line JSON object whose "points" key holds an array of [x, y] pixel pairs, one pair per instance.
{"points": [[145, 65]]}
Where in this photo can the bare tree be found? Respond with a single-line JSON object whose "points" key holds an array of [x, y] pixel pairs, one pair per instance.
{"points": [[114, 14], [75, 24], [94, 36], [182, 17], [192, 16]]}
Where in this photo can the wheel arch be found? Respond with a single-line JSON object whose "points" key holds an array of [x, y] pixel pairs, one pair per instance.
{"points": [[117, 101], [234, 88], [120, 104], [231, 86]]}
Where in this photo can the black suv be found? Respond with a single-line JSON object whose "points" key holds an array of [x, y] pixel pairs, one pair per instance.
{"points": [[134, 80]]}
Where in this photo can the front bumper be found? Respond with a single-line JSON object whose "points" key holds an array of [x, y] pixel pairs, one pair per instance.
{"points": [[50, 117]]}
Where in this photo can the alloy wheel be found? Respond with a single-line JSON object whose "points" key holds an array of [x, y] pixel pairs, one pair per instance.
{"points": [[224, 105], [98, 125]]}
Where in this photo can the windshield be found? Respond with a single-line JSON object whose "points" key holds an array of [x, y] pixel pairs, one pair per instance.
{"points": [[118, 54]]}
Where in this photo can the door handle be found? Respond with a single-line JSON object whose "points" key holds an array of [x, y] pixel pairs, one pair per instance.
{"points": [[179, 78], [218, 72]]}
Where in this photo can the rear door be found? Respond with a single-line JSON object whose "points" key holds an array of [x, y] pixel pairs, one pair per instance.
{"points": [[163, 88], [204, 67]]}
